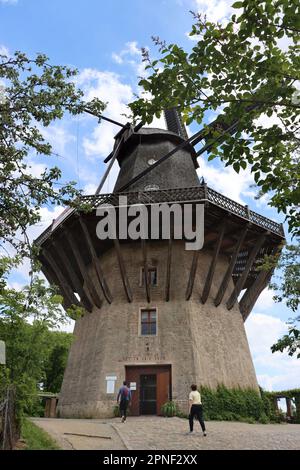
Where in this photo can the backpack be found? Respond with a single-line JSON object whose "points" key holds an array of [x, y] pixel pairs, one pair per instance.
{"points": [[124, 393]]}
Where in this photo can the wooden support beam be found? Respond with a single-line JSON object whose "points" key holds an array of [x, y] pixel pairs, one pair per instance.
{"points": [[231, 236], [242, 279], [77, 286], [251, 295], [52, 279], [123, 272], [253, 292], [95, 261], [88, 280], [193, 271], [168, 272], [145, 265], [216, 229], [63, 283], [213, 263], [248, 243], [229, 271]]}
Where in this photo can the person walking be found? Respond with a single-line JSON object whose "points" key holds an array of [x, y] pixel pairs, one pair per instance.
{"points": [[195, 409], [123, 400]]}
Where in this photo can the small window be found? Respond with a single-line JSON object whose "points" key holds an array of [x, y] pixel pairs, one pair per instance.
{"points": [[148, 322], [152, 277]]}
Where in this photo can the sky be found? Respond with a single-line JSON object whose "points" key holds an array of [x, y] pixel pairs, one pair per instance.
{"points": [[102, 39]]}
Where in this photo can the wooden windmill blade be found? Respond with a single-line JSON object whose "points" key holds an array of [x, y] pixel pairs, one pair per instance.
{"points": [[121, 137], [100, 116], [220, 125], [175, 123]]}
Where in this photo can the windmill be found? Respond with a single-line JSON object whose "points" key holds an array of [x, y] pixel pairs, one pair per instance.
{"points": [[157, 314]]}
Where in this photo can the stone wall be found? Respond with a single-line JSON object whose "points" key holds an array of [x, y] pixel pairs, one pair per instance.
{"points": [[203, 343]]}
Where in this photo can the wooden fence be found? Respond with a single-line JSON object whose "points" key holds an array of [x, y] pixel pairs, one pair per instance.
{"points": [[9, 425]]}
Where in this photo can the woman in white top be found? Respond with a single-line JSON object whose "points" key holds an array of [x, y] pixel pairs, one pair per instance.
{"points": [[195, 409]]}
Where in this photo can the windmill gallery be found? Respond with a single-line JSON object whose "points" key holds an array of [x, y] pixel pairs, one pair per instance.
{"points": [[158, 314]]}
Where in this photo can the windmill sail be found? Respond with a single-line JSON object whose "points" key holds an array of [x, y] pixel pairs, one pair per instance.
{"points": [[174, 122]]}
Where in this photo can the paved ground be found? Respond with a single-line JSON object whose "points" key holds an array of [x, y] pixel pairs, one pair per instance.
{"points": [[94, 434], [156, 433]]}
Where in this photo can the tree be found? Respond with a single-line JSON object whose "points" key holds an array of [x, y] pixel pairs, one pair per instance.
{"points": [[27, 318], [239, 70], [286, 285], [33, 94], [291, 341], [54, 367]]}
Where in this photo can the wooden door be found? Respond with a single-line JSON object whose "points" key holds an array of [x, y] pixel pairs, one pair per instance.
{"points": [[163, 387], [132, 375], [148, 394]]}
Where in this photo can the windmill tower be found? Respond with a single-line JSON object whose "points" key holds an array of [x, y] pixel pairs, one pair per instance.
{"points": [[157, 314]]}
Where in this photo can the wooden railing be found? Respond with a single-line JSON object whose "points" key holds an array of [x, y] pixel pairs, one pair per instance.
{"points": [[200, 193]]}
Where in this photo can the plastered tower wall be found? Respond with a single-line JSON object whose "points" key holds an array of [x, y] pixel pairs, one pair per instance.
{"points": [[202, 343]]}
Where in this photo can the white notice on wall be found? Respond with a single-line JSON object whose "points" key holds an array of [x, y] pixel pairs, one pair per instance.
{"points": [[132, 386], [110, 383]]}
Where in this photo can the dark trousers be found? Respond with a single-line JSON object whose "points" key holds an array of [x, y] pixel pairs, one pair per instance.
{"points": [[196, 411], [123, 407]]}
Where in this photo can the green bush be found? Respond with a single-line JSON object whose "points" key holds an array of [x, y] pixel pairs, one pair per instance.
{"points": [[225, 404], [263, 419], [169, 409]]}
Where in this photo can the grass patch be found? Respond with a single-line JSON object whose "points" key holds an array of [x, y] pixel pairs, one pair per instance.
{"points": [[36, 438]]}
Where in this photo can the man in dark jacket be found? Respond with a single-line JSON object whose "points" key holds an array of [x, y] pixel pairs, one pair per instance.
{"points": [[123, 399]]}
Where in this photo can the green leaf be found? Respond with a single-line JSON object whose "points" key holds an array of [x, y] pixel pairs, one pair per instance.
{"points": [[237, 5], [236, 167]]}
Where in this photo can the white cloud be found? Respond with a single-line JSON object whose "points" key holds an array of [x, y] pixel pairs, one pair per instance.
{"points": [[226, 181], [89, 188], [274, 371], [67, 327], [15, 285], [130, 55], [131, 49], [58, 136], [117, 58], [159, 123], [4, 50], [47, 216], [35, 169], [9, 2], [268, 121], [265, 300], [108, 87], [215, 10]]}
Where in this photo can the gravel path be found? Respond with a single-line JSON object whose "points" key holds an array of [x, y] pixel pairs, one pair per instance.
{"points": [[157, 433]]}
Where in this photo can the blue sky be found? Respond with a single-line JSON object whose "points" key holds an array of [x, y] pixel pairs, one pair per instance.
{"points": [[103, 40]]}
